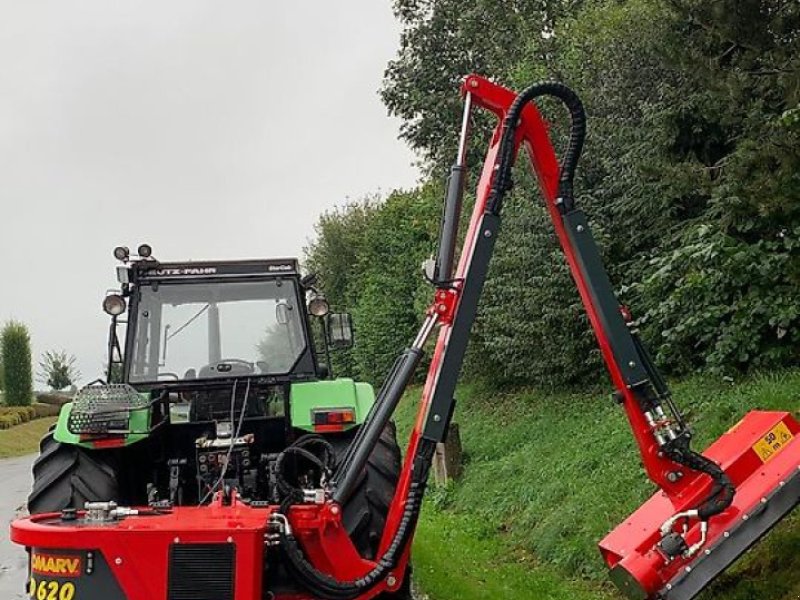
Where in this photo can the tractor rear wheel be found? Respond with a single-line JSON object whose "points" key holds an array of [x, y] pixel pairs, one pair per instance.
{"points": [[364, 514], [67, 476]]}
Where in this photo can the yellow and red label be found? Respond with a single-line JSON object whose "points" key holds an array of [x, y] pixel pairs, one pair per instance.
{"points": [[54, 565], [771, 444]]}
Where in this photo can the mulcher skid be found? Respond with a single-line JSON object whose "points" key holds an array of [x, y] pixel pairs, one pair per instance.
{"points": [[710, 509]]}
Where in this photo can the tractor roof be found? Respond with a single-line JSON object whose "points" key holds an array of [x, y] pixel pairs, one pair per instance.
{"points": [[147, 270]]}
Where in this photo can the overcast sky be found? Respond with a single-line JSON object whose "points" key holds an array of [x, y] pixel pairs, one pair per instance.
{"points": [[208, 129]]}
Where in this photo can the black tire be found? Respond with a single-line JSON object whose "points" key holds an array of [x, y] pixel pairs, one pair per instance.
{"points": [[67, 476], [364, 514]]}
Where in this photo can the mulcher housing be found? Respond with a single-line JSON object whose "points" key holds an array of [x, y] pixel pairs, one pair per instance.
{"points": [[710, 508]]}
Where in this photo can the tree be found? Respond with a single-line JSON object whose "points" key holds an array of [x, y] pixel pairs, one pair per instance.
{"points": [[58, 369], [689, 174], [15, 345], [333, 256], [367, 256], [2, 374]]}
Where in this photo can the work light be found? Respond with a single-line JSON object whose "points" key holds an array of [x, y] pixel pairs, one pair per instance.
{"points": [[318, 306], [114, 305]]}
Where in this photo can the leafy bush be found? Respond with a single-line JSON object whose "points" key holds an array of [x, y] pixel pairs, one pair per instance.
{"points": [[720, 302], [15, 346], [368, 256], [11, 416]]}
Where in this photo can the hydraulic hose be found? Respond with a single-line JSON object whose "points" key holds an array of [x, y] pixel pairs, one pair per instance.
{"points": [[723, 491], [569, 164], [322, 585]]}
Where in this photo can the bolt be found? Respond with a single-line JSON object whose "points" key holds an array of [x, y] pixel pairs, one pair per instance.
{"points": [[391, 580], [763, 501], [727, 534], [745, 517], [580, 228], [442, 308], [118, 561], [632, 364], [437, 418], [688, 569], [487, 233], [473, 83], [708, 552], [669, 586], [334, 510], [230, 540], [177, 540]]}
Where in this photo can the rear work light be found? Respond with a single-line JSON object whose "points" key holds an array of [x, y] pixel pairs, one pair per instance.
{"points": [[333, 419]]}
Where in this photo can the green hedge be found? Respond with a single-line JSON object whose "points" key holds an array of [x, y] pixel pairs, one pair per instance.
{"points": [[16, 415]]}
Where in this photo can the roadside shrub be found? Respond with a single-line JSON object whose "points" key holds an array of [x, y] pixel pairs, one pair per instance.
{"points": [[721, 303], [52, 398], [15, 345], [46, 410], [15, 415], [10, 416]]}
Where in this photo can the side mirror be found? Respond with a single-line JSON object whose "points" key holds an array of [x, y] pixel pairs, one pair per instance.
{"points": [[340, 330]]}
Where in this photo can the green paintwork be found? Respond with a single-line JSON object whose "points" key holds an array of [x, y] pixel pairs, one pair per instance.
{"points": [[139, 425], [336, 393]]}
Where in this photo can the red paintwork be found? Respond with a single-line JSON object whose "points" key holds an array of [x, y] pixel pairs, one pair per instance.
{"points": [[631, 544], [142, 542]]}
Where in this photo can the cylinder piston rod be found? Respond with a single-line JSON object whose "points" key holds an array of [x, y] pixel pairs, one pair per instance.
{"points": [[448, 232], [348, 473]]}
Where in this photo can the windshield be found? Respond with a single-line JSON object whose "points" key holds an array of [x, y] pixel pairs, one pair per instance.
{"points": [[219, 329]]}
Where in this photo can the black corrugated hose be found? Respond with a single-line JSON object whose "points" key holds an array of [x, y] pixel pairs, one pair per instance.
{"points": [[322, 585], [722, 493], [577, 136]]}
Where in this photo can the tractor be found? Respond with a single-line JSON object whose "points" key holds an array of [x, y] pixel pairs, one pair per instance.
{"points": [[224, 366], [224, 463]]}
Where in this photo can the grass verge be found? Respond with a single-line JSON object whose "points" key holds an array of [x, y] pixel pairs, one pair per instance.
{"points": [[548, 475], [24, 439], [455, 558]]}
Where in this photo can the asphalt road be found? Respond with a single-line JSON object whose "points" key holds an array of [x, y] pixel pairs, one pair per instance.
{"points": [[15, 483]]}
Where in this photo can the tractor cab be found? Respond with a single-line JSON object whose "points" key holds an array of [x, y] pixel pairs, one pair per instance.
{"points": [[195, 323]]}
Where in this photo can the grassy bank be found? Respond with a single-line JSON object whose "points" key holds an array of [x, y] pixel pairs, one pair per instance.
{"points": [[24, 439], [548, 475]]}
